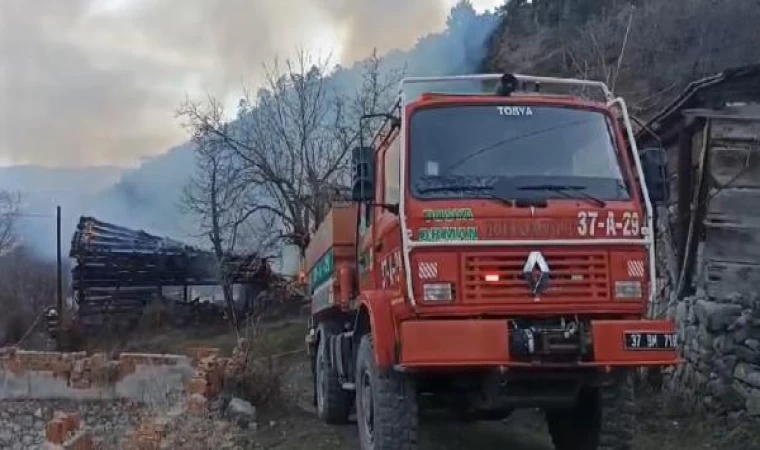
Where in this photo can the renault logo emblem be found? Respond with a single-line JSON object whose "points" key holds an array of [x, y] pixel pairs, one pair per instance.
{"points": [[536, 273]]}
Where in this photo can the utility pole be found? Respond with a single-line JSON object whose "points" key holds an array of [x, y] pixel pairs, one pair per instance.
{"points": [[58, 264]]}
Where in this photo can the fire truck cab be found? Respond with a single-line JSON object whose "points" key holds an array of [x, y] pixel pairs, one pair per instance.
{"points": [[498, 253]]}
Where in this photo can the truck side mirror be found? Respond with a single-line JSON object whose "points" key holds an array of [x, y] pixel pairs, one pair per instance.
{"points": [[362, 174], [654, 166]]}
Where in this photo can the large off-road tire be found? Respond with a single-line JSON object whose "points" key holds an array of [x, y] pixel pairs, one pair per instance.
{"points": [[386, 404], [333, 403], [602, 419]]}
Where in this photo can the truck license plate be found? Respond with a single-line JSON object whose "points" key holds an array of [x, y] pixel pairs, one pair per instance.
{"points": [[649, 341]]}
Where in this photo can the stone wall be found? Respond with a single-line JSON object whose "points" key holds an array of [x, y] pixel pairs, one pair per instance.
{"points": [[25, 424], [720, 341]]}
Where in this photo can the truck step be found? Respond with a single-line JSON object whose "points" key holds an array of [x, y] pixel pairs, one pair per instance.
{"points": [[349, 386]]}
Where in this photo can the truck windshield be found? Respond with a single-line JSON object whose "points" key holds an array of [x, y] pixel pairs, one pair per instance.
{"points": [[507, 152]]}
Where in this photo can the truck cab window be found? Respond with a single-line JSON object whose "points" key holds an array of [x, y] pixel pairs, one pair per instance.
{"points": [[392, 174]]}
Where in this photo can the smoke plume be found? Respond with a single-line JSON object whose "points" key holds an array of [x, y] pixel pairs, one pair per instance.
{"points": [[97, 82]]}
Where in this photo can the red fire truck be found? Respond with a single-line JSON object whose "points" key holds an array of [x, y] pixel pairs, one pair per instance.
{"points": [[498, 253]]}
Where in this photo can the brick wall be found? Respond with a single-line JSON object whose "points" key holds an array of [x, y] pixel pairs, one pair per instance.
{"points": [[136, 376], [31, 382]]}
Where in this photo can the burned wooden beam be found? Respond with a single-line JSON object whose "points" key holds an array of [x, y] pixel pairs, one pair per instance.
{"points": [[119, 271]]}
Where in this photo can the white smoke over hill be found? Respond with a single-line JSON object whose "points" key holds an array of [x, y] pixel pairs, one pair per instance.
{"points": [[147, 197]]}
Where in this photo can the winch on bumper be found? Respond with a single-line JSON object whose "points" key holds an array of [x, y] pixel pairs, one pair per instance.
{"points": [[509, 343]]}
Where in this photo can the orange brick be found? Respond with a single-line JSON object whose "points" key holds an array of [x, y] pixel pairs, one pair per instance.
{"points": [[197, 405], [207, 365], [82, 441], [61, 368], [216, 383], [69, 421], [198, 353], [15, 367], [197, 385], [73, 421], [56, 431]]}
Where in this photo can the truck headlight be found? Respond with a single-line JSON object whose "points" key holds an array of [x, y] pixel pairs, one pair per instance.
{"points": [[628, 290], [437, 292]]}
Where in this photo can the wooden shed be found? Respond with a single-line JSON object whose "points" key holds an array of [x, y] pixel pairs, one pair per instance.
{"points": [[711, 134]]}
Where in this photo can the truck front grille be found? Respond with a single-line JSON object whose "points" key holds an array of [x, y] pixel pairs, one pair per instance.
{"points": [[573, 276]]}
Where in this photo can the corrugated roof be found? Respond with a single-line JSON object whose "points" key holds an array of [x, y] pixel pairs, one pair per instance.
{"points": [[689, 98]]}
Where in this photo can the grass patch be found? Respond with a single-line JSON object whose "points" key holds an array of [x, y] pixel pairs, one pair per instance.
{"points": [[284, 337], [281, 337], [259, 369]]}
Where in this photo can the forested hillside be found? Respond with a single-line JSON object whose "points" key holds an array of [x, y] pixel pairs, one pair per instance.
{"points": [[647, 50]]}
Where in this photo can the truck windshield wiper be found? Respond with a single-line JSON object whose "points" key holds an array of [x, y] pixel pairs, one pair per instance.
{"points": [[566, 190], [454, 188], [455, 183]]}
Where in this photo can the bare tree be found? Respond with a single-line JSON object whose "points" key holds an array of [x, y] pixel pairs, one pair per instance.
{"points": [[219, 196], [599, 46], [9, 209], [293, 138]]}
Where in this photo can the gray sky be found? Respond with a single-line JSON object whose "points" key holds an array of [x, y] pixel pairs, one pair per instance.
{"points": [[94, 82]]}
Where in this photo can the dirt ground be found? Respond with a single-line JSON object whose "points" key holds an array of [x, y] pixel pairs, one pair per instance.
{"points": [[663, 423], [520, 432]]}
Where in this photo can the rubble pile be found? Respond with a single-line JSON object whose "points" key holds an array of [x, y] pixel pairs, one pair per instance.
{"points": [[34, 424]]}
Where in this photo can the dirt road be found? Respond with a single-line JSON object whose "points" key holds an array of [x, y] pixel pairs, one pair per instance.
{"points": [[520, 432], [311, 434], [662, 424]]}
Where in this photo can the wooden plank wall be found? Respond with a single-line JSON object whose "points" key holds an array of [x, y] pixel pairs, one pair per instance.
{"points": [[683, 156], [732, 218], [673, 158]]}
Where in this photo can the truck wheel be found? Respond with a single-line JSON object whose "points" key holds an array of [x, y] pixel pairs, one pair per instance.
{"points": [[386, 405], [333, 402], [602, 419]]}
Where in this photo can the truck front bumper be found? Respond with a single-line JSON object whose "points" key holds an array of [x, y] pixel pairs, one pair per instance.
{"points": [[486, 343]]}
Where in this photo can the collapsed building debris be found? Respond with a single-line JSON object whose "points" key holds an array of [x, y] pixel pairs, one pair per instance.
{"points": [[119, 272]]}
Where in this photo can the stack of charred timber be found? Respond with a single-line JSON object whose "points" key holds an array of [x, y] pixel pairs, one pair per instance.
{"points": [[119, 272]]}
